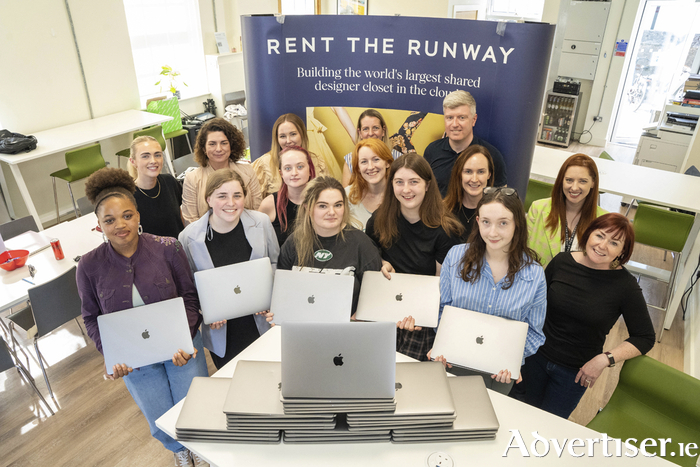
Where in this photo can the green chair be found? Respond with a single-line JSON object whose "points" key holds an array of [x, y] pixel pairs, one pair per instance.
{"points": [[536, 190], [653, 400], [80, 164], [660, 228], [173, 128], [123, 153], [605, 155]]}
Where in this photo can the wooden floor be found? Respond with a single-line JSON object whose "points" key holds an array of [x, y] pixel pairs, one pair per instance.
{"points": [[99, 424]]}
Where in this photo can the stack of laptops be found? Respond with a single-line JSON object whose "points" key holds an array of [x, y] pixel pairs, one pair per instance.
{"points": [[341, 434], [201, 417], [253, 402], [423, 401], [476, 418]]}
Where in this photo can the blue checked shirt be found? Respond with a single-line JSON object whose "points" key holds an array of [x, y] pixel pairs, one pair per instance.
{"points": [[525, 300]]}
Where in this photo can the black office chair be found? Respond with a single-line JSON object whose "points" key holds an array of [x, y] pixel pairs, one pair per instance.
{"points": [[8, 359], [52, 305], [11, 229]]}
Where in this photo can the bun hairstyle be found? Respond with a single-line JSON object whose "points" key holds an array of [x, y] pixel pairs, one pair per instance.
{"points": [[109, 182]]}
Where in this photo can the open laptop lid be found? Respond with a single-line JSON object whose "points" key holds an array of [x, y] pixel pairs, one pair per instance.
{"points": [[393, 300], [146, 334], [480, 342], [235, 290], [338, 360], [311, 297]]}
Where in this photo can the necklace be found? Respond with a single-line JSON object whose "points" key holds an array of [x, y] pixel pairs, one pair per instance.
{"points": [[469, 219], [569, 239], [152, 197]]}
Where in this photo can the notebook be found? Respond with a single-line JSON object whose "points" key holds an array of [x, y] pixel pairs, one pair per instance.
{"points": [[480, 342], [306, 296], [144, 335], [393, 300], [338, 360], [235, 290]]}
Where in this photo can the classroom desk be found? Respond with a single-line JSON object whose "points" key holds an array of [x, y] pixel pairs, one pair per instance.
{"points": [[77, 238], [512, 415], [73, 136], [646, 184]]}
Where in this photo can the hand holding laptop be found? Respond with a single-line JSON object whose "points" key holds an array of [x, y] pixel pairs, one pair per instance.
{"points": [[409, 324], [268, 318], [180, 358], [387, 269], [502, 376]]}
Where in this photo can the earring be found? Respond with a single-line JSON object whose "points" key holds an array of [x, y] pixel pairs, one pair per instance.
{"points": [[140, 229], [615, 263], [104, 237]]}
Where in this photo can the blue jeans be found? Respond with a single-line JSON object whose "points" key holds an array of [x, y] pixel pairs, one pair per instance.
{"points": [[157, 388], [548, 386]]}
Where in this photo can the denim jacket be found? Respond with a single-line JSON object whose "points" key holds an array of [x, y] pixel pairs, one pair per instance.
{"points": [[159, 268]]}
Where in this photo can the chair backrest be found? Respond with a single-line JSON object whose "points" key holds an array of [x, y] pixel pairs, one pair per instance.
{"points": [[85, 161], [56, 302], [16, 227], [85, 206], [155, 132], [661, 228], [169, 107], [650, 399], [605, 155], [6, 361], [536, 190]]}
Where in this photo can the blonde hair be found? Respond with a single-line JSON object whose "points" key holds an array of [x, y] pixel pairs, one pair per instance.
{"points": [[305, 237], [132, 153]]}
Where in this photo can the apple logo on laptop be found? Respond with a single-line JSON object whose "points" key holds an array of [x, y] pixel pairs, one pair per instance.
{"points": [[237, 290], [398, 386], [145, 335], [311, 299], [480, 340], [338, 361], [399, 297]]}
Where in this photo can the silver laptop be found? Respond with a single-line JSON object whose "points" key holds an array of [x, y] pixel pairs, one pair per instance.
{"points": [[480, 342], [338, 360], [146, 334], [393, 300], [312, 297], [235, 290]]}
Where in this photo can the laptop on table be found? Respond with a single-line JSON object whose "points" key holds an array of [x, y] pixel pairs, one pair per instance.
{"points": [[146, 334]]}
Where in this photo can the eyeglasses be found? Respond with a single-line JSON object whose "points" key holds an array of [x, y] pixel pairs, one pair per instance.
{"points": [[503, 189]]}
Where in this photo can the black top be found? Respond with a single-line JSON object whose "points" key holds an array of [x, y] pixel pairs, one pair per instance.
{"points": [[467, 217], [583, 304], [442, 158], [356, 250], [417, 247], [160, 212], [225, 249], [291, 216]]}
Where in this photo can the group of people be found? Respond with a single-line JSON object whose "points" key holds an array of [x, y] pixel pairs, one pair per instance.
{"points": [[559, 268]]}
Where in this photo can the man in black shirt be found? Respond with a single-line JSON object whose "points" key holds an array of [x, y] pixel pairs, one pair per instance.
{"points": [[459, 109]]}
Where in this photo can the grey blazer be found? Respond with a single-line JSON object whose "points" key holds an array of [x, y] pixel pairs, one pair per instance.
{"points": [[261, 236]]}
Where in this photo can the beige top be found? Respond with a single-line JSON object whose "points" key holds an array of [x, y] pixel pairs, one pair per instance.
{"points": [[195, 206], [270, 184]]}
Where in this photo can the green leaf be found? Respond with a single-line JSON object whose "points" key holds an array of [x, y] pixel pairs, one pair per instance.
{"points": [[158, 82], [172, 89]]}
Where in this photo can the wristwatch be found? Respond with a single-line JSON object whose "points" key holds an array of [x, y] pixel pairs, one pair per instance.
{"points": [[611, 359]]}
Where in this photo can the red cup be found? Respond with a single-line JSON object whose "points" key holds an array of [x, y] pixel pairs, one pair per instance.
{"points": [[56, 247]]}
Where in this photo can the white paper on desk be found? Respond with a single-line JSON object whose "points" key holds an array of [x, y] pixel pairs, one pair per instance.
{"points": [[30, 241]]}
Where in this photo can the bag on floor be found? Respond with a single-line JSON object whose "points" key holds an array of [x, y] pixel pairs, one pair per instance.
{"points": [[13, 143]]}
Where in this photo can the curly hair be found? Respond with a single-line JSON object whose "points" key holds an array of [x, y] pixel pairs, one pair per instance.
{"points": [[109, 182], [233, 135]]}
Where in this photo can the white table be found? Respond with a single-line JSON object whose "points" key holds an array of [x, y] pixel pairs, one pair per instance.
{"points": [[74, 136], [643, 183], [512, 415], [77, 238]]}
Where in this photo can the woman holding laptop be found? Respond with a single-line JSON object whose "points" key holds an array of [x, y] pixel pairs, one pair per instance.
{"points": [[281, 207], [130, 269], [229, 234], [414, 232], [498, 274], [323, 240]]}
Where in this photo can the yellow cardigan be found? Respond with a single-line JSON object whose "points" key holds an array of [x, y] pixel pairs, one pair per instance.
{"points": [[546, 244]]}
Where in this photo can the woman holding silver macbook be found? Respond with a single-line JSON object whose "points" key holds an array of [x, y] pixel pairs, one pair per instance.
{"points": [[228, 234], [497, 273], [131, 269]]}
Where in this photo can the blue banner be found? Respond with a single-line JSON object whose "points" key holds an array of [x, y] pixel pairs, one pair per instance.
{"points": [[406, 63]]}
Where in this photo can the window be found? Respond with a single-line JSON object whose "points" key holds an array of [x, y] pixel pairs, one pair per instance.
{"points": [[516, 9], [297, 7], [166, 32]]}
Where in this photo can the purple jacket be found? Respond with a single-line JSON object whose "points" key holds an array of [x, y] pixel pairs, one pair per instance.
{"points": [[159, 268]]}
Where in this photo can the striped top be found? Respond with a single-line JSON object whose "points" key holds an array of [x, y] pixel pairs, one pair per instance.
{"points": [[525, 300]]}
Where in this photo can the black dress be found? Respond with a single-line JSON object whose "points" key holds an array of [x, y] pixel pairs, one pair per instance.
{"points": [[159, 207]]}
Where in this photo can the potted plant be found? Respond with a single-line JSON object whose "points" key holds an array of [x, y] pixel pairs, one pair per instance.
{"points": [[172, 75]]}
